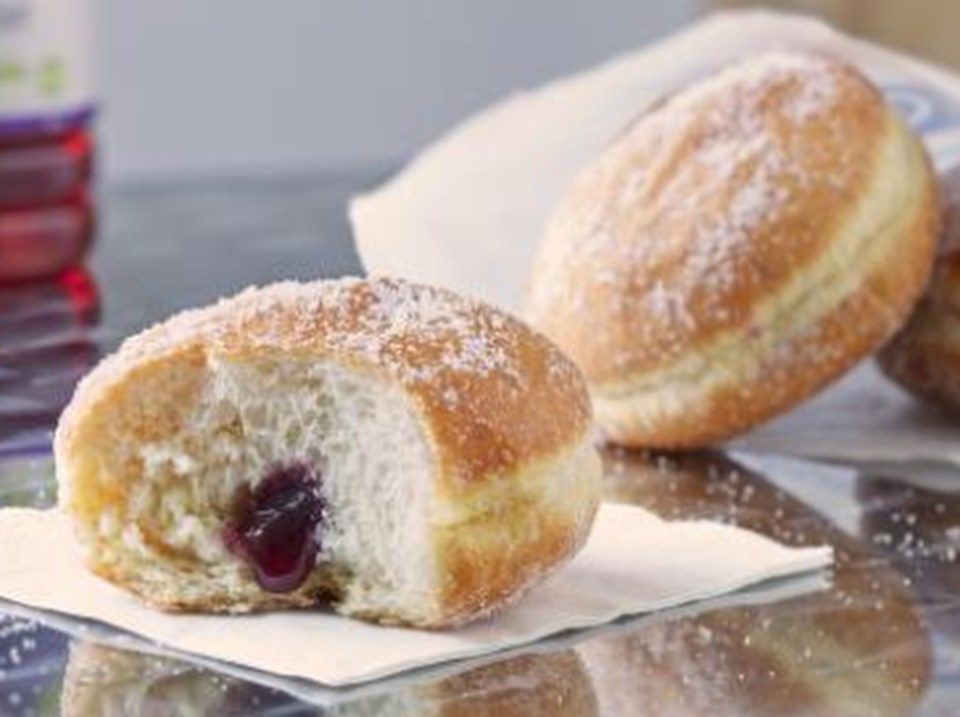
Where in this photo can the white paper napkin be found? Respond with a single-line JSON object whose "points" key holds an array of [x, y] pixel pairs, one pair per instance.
{"points": [[469, 211], [633, 563], [404, 683]]}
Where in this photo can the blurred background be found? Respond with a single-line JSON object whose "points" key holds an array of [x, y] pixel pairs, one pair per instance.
{"points": [[243, 86], [233, 132]]}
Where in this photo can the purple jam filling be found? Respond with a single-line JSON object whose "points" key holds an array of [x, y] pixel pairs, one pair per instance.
{"points": [[274, 527]]}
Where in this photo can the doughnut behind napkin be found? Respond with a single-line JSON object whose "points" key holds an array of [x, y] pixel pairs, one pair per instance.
{"points": [[739, 246]]}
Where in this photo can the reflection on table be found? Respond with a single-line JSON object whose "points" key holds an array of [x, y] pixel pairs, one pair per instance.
{"points": [[859, 648], [108, 682], [46, 344]]}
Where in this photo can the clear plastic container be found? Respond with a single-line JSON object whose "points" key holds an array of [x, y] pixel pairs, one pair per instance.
{"points": [[46, 144]]}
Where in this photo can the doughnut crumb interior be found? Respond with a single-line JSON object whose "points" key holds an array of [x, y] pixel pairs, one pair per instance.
{"points": [[398, 452]]}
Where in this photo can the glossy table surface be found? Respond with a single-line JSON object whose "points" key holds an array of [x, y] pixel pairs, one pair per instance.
{"points": [[883, 639]]}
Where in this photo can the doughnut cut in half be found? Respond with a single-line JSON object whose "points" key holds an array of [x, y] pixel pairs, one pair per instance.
{"points": [[396, 451]]}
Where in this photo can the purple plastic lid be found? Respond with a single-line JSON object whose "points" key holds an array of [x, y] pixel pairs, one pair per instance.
{"points": [[46, 123]]}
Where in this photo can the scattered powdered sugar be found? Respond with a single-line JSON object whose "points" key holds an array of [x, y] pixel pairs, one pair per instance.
{"points": [[659, 301], [753, 79], [417, 333], [402, 316], [813, 97], [483, 369], [718, 160], [741, 158]]}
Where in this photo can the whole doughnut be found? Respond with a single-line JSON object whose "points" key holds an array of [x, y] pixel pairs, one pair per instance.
{"points": [[738, 247]]}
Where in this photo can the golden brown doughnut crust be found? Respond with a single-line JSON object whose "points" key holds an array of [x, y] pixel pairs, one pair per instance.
{"points": [[739, 246], [924, 357], [496, 394]]}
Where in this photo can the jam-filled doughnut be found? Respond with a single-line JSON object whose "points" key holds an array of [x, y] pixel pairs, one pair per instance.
{"points": [[403, 454], [739, 246]]}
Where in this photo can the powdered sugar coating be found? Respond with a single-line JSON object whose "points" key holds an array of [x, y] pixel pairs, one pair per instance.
{"points": [[700, 204], [476, 373], [383, 322]]}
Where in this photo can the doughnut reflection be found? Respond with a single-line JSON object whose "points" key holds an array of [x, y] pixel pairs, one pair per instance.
{"points": [[856, 649], [109, 682], [46, 345]]}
